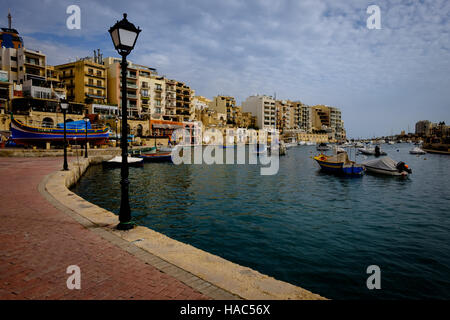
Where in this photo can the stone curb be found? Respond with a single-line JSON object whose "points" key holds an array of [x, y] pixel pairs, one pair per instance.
{"points": [[207, 273]]}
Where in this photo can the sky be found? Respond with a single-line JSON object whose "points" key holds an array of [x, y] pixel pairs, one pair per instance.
{"points": [[314, 51]]}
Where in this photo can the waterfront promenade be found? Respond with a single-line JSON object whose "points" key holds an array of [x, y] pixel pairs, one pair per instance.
{"points": [[39, 241]]}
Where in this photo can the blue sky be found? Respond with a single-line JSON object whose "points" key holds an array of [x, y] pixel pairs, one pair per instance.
{"points": [[318, 52]]}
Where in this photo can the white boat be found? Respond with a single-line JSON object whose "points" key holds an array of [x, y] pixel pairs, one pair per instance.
{"points": [[416, 150], [301, 143], [340, 150], [391, 142], [387, 166], [359, 145], [323, 147], [291, 144], [310, 143], [117, 162]]}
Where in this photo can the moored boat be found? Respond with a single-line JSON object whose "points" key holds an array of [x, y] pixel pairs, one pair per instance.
{"points": [[116, 162], [339, 164], [417, 150], [323, 147], [157, 157], [387, 166]]}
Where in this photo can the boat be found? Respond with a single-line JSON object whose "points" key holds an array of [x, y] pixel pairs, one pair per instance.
{"points": [[310, 143], [116, 162], [417, 150], [301, 143], [340, 150], [339, 164], [22, 133], [391, 142], [359, 145], [323, 147], [157, 157], [372, 151], [291, 144], [387, 166]]}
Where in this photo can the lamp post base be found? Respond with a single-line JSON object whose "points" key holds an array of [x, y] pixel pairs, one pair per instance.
{"points": [[125, 226]]}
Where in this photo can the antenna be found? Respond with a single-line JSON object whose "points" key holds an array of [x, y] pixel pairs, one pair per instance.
{"points": [[9, 19]]}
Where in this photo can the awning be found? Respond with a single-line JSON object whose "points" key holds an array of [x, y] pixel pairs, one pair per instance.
{"points": [[166, 126]]}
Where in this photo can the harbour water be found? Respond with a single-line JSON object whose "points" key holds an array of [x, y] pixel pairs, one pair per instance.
{"points": [[311, 229]]}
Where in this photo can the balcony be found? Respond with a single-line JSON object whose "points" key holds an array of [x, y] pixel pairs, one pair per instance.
{"points": [[93, 86]]}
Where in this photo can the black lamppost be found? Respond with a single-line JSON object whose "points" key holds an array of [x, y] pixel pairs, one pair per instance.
{"points": [[117, 129], [86, 120], [64, 106], [124, 35]]}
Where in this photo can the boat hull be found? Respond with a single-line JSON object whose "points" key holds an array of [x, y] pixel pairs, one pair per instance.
{"points": [[25, 134], [157, 157], [386, 172], [339, 167]]}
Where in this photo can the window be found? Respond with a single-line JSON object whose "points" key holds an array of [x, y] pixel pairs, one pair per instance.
{"points": [[99, 92], [91, 91], [91, 82], [13, 69], [99, 83], [91, 71], [13, 58]]}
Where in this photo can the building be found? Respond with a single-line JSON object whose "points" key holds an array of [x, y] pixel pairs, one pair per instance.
{"points": [[5, 91], [184, 108], [423, 128], [85, 80], [226, 107], [263, 108]]}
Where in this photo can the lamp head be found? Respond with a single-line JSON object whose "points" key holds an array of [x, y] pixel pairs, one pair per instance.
{"points": [[124, 35]]}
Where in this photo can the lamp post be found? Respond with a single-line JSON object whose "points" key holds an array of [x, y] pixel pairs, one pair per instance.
{"points": [[117, 129], [86, 120], [124, 35], [64, 106]]}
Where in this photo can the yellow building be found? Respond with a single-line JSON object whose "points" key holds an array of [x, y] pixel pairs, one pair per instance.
{"points": [[85, 80], [226, 106]]}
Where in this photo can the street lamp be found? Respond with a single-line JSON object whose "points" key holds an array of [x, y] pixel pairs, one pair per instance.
{"points": [[64, 106], [86, 120], [124, 35]]}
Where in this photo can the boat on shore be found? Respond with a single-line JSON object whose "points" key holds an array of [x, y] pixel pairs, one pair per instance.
{"points": [[387, 166], [116, 162], [339, 164], [22, 133], [437, 145]]}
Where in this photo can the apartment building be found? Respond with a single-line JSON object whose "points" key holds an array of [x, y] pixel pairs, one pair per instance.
{"points": [[85, 80], [225, 106], [184, 95], [263, 108]]}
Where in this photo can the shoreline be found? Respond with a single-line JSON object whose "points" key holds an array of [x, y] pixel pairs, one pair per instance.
{"points": [[173, 257]]}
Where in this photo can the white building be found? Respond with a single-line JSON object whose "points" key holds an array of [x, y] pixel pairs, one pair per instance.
{"points": [[263, 108]]}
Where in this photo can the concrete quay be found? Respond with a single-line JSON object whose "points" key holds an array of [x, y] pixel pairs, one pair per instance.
{"points": [[46, 228]]}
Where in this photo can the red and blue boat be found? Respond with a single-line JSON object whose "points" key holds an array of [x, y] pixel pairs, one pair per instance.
{"points": [[25, 134], [157, 157]]}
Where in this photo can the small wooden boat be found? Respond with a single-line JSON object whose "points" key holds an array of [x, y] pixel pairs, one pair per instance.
{"points": [[339, 164], [116, 162], [157, 157]]}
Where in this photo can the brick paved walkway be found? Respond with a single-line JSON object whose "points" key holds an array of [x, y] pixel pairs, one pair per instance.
{"points": [[38, 242]]}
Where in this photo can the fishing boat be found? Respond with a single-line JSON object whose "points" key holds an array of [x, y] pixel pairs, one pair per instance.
{"points": [[323, 147], [417, 150], [387, 166], [116, 162], [22, 133], [339, 164], [157, 157]]}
